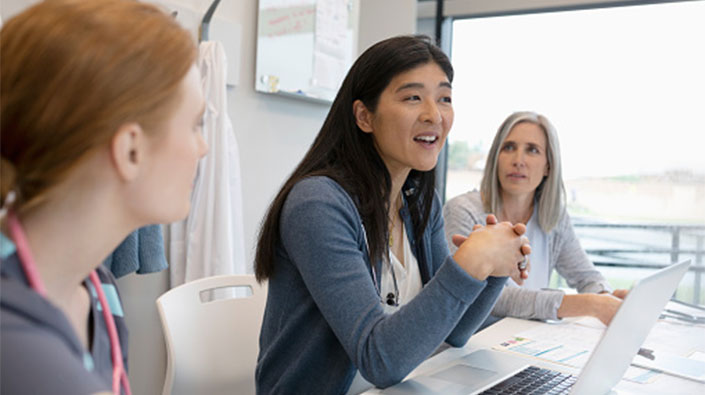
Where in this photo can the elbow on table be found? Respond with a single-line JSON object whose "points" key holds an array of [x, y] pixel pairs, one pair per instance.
{"points": [[385, 377], [457, 341]]}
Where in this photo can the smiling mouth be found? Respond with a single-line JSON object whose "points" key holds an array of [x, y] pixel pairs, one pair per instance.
{"points": [[426, 139]]}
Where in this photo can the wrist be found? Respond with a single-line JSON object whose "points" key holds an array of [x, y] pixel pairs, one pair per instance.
{"points": [[577, 305], [478, 270]]}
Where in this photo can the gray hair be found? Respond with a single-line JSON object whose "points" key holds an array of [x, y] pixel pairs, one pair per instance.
{"points": [[550, 194]]}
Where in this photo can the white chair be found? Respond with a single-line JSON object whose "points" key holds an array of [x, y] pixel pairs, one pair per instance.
{"points": [[212, 346]]}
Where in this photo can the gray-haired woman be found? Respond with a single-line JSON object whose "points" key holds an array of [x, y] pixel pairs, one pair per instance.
{"points": [[522, 183]]}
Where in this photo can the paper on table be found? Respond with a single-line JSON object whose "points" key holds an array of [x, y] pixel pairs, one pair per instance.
{"points": [[640, 375], [692, 368], [570, 343]]}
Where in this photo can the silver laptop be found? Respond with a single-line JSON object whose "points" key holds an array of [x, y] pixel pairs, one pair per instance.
{"points": [[480, 370]]}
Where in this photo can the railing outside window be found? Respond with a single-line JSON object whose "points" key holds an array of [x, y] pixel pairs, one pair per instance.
{"points": [[646, 246]]}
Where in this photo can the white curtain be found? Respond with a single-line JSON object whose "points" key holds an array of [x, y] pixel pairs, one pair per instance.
{"points": [[210, 241]]}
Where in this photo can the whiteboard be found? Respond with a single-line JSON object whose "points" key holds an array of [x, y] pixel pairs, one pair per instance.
{"points": [[305, 47]]}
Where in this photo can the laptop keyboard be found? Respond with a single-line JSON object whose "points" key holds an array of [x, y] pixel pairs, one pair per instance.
{"points": [[535, 380]]}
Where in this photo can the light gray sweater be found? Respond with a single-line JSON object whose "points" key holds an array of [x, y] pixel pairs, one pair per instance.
{"points": [[565, 255]]}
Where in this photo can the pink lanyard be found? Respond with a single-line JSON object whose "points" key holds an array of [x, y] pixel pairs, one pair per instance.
{"points": [[30, 270]]}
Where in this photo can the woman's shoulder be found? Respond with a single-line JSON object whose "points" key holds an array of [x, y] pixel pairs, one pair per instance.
{"points": [[469, 201], [318, 192], [38, 341], [564, 227], [30, 351], [318, 188]]}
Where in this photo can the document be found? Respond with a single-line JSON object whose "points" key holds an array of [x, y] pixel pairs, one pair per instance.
{"points": [[567, 343], [692, 367]]}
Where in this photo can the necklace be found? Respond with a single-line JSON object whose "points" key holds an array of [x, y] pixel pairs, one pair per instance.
{"points": [[393, 220]]}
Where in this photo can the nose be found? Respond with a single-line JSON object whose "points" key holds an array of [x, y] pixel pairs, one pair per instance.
{"points": [[431, 113], [518, 158]]}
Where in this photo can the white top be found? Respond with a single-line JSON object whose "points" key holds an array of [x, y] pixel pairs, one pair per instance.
{"points": [[539, 274], [409, 285]]}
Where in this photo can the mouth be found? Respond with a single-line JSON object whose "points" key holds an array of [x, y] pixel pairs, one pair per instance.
{"points": [[427, 139], [516, 176]]}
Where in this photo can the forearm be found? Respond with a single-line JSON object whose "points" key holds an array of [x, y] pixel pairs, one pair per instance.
{"points": [[525, 303], [411, 334], [601, 306], [477, 313], [576, 305]]}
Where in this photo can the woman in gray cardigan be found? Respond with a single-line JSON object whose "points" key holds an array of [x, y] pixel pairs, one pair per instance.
{"points": [[362, 287], [522, 183]]}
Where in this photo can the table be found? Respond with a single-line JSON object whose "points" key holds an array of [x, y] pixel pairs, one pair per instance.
{"points": [[668, 335]]}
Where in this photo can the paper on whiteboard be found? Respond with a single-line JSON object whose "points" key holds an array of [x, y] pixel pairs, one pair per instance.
{"points": [[332, 42]]}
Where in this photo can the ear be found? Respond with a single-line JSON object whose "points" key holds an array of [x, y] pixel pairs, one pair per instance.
{"points": [[127, 150], [363, 116]]}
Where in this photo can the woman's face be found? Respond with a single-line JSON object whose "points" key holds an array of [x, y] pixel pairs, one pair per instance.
{"points": [[412, 119], [522, 161], [174, 153]]}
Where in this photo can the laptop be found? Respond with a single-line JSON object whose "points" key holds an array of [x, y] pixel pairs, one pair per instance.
{"points": [[497, 372]]}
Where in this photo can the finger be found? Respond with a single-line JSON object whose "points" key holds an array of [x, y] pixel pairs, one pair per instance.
{"points": [[519, 229], [459, 239], [491, 219], [525, 249], [524, 263], [525, 274], [517, 277], [476, 227]]}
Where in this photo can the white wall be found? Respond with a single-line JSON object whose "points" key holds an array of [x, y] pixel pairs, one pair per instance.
{"points": [[273, 134], [376, 24]]}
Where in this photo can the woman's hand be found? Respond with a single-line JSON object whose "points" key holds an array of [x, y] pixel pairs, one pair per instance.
{"points": [[601, 306], [605, 306], [620, 293], [493, 250], [523, 273]]}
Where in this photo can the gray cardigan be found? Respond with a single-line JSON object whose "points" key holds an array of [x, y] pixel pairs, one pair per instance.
{"points": [[324, 316], [565, 255]]}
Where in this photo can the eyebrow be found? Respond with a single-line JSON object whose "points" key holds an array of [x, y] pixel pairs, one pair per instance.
{"points": [[418, 85]]}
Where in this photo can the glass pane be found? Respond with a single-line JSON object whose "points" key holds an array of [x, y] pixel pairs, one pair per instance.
{"points": [[625, 88]]}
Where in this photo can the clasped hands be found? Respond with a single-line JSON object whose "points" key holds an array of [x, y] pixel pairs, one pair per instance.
{"points": [[497, 249]]}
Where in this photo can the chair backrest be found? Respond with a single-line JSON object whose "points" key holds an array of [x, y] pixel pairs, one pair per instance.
{"points": [[212, 346]]}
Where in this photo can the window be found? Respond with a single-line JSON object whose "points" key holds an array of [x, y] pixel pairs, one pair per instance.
{"points": [[625, 89]]}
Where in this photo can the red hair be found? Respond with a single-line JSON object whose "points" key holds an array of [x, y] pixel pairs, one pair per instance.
{"points": [[71, 73]]}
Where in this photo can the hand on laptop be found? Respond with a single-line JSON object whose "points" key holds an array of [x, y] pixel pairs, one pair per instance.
{"points": [[620, 293], [601, 306], [493, 250], [605, 306]]}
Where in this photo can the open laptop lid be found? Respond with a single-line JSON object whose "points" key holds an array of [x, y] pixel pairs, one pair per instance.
{"points": [[628, 330]]}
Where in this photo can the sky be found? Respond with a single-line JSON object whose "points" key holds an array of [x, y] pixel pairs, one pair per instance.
{"points": [[624, 87]]}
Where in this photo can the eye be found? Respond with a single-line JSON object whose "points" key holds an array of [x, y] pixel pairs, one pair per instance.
{"points": [[412, 98], [446, 99], [534, 150], [508, 147]]}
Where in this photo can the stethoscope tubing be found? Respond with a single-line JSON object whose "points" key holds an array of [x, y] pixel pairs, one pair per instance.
{"points": [[30, 269]]}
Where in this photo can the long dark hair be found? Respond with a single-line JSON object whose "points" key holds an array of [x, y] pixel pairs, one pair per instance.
{"points": [[347, 155]]}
